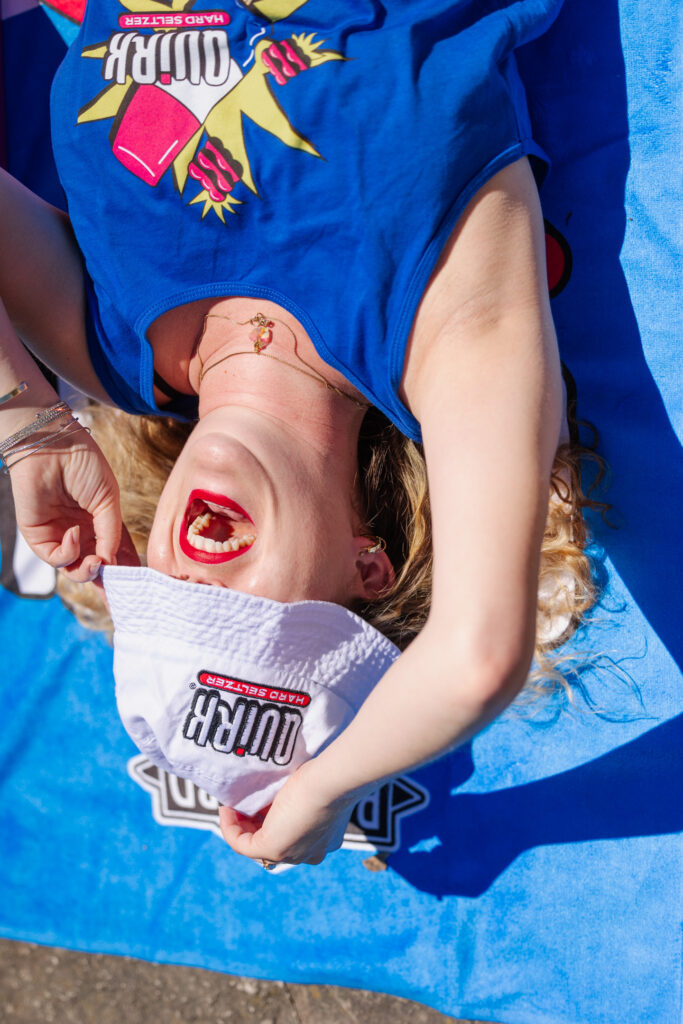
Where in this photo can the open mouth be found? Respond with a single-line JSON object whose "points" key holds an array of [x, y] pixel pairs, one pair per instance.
{"points": [[215, 528]]}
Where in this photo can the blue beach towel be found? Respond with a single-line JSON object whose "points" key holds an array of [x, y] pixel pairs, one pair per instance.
{"points": [[533, 877]]}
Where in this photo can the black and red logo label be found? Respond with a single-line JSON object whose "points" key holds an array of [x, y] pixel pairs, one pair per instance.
{"points": [[247, 689], [259, 721]]}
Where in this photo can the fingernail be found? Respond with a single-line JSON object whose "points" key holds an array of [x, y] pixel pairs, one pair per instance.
{"points": [[95, 571]]}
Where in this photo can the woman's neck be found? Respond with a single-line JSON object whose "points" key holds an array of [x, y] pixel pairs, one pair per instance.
{"points": [[253, 354], [190, 342]]}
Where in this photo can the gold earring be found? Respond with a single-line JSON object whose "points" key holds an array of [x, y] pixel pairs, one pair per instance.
{"points": [[378, 544]]}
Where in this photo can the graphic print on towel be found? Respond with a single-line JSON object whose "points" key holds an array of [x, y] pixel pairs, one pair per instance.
{"points": [[374, 827], [179, 87], [259, 721]]}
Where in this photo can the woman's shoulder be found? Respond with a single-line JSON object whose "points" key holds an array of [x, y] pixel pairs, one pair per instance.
{"points": [[492, 268]]}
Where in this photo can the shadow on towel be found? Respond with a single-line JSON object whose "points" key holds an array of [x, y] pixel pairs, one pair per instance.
{"points": [[631, 791]]}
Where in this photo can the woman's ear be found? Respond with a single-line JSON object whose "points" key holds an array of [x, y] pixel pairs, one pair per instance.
{"points": [[374, 572]]}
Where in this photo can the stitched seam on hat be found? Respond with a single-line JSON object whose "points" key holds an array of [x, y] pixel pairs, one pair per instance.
{"points": [[132, 609]]}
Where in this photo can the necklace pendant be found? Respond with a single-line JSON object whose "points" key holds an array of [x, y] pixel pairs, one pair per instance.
{"points": [[261, 337]]}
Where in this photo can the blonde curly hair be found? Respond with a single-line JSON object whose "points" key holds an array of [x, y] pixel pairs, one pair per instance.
{"points": [[394, 480], [394, 503]]}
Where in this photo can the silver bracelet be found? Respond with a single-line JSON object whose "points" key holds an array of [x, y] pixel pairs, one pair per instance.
{"points": [[42, 419], [12, 447], [21, 386]]}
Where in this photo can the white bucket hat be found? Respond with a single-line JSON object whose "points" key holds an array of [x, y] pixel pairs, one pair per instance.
{"points": [[233, 691]]}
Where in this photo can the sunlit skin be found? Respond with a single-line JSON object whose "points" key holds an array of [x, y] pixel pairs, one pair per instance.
{"points": [[281, 449], [482, 377]]}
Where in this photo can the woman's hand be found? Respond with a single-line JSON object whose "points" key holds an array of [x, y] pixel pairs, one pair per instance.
{"points": [[65, 495], [67, 506], [299, 827]]}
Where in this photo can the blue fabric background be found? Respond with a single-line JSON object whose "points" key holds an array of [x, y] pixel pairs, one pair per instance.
{"points": [[541, 885]]}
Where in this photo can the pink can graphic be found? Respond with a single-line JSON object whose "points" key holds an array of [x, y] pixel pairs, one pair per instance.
{"points": [[152, 132], [180, 77]]}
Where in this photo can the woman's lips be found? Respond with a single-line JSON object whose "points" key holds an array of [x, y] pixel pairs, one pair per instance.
{"points": [[215, 528]]}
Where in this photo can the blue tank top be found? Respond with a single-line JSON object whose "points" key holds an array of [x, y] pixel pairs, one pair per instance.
{"points": [[316, 153]]}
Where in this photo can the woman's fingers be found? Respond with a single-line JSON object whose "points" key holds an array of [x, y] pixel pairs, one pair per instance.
{"points": [[244, 842], [65, 553], [235, 826], [107, 527], [67, 557], [245, 835], [86, 571]]}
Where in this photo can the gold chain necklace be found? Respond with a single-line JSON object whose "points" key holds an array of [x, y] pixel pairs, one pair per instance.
{"points": [[262, 337]]}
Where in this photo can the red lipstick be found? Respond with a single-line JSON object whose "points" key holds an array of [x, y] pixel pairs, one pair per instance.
{"points": [[214, 520]]}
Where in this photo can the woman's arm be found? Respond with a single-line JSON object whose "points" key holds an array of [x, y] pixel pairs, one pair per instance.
{"points": [[482, 376], [65, 496], [41, 285]]}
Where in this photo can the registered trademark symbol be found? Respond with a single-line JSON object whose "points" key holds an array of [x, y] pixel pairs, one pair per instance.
{"points": [[193, 686]]}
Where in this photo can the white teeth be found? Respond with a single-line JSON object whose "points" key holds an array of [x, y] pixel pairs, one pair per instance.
{"points": [[198, 524], [197, 542], [201, 543]]}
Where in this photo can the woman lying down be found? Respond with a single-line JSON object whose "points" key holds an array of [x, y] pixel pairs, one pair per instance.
{"points": [[362, 519]]}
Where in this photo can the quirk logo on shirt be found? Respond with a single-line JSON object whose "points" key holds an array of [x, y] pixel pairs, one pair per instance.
{"points": [[260, 722], [186, 55], [179, 95]]}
